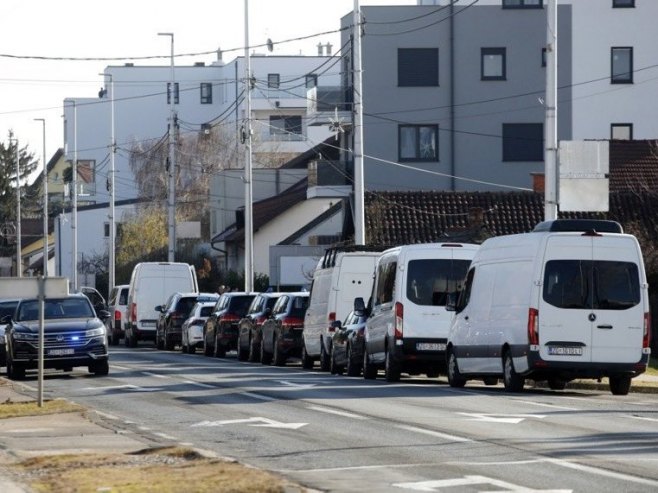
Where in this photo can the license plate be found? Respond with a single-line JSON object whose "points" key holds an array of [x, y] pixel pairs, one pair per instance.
{"points": [[565, 351], [148, 324], [60, 352], [430, 346]]}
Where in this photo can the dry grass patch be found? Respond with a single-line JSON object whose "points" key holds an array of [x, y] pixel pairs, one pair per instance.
{"points": [[165, 470], [11, 409]]}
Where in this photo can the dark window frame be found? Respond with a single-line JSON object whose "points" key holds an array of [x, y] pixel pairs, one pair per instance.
{"points": [[617, 78], [621, 125], [523, 5], [543, 57], [623, 4], [496, 51], [418, 157], [511, 150], [425, 65], [313, 79], [273, 81], [205, 92], [292, 124]]}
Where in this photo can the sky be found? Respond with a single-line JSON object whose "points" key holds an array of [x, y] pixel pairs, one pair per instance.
{"points": [[31, 30]]}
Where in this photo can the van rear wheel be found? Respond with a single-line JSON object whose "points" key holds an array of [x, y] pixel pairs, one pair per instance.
{"points": [[513, 381], [369, 370], [391, 368], [353, 367], [325, 362], [455, 378], [307, 361], [557, 384], [620, 384]]}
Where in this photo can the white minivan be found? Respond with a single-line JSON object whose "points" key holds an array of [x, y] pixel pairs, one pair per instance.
{"points": [[151, 284], [342, 274], [568, 300], [407, 326]]}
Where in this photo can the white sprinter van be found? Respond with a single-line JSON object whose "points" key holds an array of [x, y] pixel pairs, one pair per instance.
{"points": [[568, 300], [151, 284], [407, 327], [343, 273]]}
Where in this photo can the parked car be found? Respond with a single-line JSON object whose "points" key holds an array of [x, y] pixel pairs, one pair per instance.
{"points": [[118, 308], [192, 328], [281, 333], [249, 333], [347, 344], [7, 308], [172, 315], [220, 332], [97, 299], [73, 336]]}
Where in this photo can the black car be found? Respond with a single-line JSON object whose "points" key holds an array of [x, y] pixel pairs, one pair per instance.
{"points": [[7, 308], [73, 336], [249, 326], [281, 333], [220, 332], [172, 315], [347, 344]]}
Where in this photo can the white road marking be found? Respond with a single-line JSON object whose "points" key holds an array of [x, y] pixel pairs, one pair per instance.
{"points": [[470, 480], [121, 367], [29, 430], [329, 410], [541, 404], [199, 384], [640, 418], [255, 421], [433, 433], [356, 468], [112, 387], [603, 472], [107, 415], [502, 418], [165, 436], [258, 396], [156, 375]]}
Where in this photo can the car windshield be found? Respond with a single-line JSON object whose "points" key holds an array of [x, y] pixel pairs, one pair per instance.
{"points": [[55, 309]]}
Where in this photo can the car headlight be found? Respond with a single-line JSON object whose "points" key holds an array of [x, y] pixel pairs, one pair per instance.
{"points": [[95, 332], [25, 336]]}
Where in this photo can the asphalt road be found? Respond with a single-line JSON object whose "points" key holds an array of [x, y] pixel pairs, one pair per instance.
{"points": [[335, 433]]}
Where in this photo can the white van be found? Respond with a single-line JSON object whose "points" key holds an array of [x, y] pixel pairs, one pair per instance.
{"points": [[407, 326], [151, 284], [342, 274], [568, 300]]}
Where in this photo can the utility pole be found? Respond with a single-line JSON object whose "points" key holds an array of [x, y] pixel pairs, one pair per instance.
{"points": [[45, 200], [248, 210], [113, 148], [359, 201], [19, 261], [550, 132], [74, 220], [171, 169]]}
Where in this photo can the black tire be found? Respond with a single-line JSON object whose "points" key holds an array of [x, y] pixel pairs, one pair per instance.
{"points": [[369, 370], [307, 361], [325, 358], [114, 339], [183, 346], [334, 368], [126, 340], [220, 351], [433, 373], [279, 357], [490, 380], [100, 368], [168, 344], [191, 349], [513, 381], [243, 354], [455, 378], [557, 384], [159, 343], [207, 350], [15, 371], [254, 352], [265, 357], [353, 368], [133, 341], [391, 368], [619, 384]]}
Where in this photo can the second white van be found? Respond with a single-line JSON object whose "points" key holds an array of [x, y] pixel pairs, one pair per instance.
{"points": [[151, 284], [568, 300]]}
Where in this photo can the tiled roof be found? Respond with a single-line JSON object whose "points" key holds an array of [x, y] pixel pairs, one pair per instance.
{"points": [[633, 165]]}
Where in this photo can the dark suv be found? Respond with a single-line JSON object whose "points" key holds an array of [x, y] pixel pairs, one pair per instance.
{"points": [[281, 333], [173, 314], [220, 332], [73, 336], [249, 328]]}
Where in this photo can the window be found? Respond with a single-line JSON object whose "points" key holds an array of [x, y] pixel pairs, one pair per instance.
{"points": [[523, 142], [418, 67], [493, 64], [106, 230], [431, 282], [543, 57], [175, 93], [621, 65], [522, 4], [285, 125], [385, 283], [206, 93], [620, 4], [621, 131], [418, 142], [273, 81], [311, 81]]}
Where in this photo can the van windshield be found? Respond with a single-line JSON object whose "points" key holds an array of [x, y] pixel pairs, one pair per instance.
{"points": [[432, 281], [586, 284]]}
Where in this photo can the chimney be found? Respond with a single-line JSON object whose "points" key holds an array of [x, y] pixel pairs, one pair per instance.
{"points": [[329, 46], [320, 45], [537, 182]]}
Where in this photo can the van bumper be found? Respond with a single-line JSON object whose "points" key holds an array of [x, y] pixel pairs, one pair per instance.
{"points": [[539, 369], [418, 355]]}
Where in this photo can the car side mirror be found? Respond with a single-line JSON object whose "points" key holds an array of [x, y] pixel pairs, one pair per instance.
{"points": [[158, 308], [103, 315], [336, 325], [359, 305]]}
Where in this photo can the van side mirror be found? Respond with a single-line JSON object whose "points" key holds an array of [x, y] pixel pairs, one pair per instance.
{"points": [[451, 302], [158, 308], [359, 306], [336, 325]]}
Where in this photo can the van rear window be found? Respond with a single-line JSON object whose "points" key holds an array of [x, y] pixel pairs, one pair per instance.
{"points": [[586, 284], [431, 281]]}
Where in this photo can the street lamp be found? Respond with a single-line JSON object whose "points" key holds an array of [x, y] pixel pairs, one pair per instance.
{"points": [[171, 195], [113, 147], [45, 200]]}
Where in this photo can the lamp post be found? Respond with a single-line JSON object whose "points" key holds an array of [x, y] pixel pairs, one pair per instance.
{"points": [[45, 200], [113, 147], [19, 263], [171, 193]]}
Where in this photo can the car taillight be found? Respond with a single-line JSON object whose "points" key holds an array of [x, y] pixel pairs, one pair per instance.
{"points": [[117, 316], [399, 316], [291, 322], [331, 318], [533, 326], [177, 316], [260, 320], [133, 312], [646, 338], [229, 317]]}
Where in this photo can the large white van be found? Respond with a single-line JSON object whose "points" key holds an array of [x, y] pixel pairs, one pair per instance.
{"points": [[568, 300], [408, 323], [342, 274], [151, 284]]}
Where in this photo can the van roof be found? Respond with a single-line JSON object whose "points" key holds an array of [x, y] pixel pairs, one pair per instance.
{"points": [[579, 225]]}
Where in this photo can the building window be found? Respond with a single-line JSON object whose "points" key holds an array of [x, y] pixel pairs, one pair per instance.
{"points": [[106, 230], [543, 57], [418, 142], [169, 93], [418, 67], [273, 81], [621, 131], [621, 64], [206, 93], [493, 64], [286, 126], [523, 4], [311, 81], [523, 142], [621, 4]]}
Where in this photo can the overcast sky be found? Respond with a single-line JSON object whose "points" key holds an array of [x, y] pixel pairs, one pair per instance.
{"points": [[35, 88]]}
